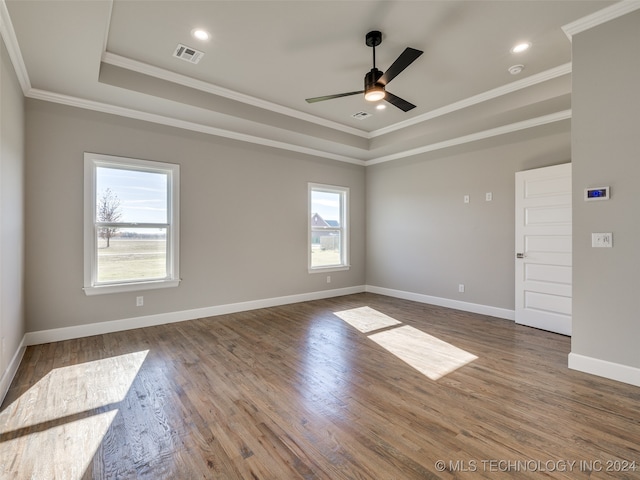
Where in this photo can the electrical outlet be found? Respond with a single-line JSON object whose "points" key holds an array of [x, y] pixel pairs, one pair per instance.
{"points": [[488, 196], [139, 301], [461, 288], [602, 240], [328, 278]]}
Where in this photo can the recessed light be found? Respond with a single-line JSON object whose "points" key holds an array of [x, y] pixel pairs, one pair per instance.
{"points": [[200, 34], [521, 47], [381, 106]]}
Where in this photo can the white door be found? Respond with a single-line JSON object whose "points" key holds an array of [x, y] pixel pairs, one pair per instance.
{"points": [[543, 248]]}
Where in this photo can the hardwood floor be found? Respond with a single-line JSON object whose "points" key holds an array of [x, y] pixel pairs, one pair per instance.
{"points": [[298, 392]]}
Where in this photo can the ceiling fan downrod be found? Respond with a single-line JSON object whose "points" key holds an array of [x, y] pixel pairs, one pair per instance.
{"points": [[373, 91]]}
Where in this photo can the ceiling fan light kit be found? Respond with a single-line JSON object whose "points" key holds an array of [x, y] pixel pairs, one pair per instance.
{"points": [[374, 92], [375, 81]]}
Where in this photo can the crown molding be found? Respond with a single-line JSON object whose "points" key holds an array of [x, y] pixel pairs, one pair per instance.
{"points": [[107, 29], [476, 99], [161, 73], [11, 42], [242, 137], [473, 137], [10, 39], [146, 69], [606, 14], [183, 124]]}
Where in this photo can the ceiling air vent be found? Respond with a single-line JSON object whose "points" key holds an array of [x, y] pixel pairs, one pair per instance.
{"points": [[361, 115], [187, 54]]}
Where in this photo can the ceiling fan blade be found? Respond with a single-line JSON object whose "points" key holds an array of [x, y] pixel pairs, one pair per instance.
{"points": [[330, 97], [401, 103], [405, 59]]}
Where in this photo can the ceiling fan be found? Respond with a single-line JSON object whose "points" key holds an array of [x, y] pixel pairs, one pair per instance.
{"points": [[375, 81]]}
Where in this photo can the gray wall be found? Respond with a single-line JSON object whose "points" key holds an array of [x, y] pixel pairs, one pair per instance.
{"points": [[243, 217], [422, 238], [12, 324], [606, 151]]}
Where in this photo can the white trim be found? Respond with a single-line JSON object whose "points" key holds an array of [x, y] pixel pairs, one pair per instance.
{"points": [[196, 127], [156, 72], [12, 369], [11, 42], [78, 331], [476, 99], [594, 366], [604, 368], [107, 29], [129, 287], [330, 269], [445, 302], [174, 122], [473, 137], [343, 228], [8, 34], [93, 161], [601, 16], [161, 73]]}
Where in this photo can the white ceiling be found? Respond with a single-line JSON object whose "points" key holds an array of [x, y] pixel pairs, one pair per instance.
{"points": [[265, 57]]}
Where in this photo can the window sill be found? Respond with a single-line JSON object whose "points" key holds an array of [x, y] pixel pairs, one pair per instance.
{"points": [[130, 287], [332, 268]]}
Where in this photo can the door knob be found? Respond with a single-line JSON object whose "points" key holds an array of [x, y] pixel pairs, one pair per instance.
{"points": [[519, 255]]}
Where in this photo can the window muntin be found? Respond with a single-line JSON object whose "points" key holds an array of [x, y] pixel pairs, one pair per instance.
{"points": [[131, 224], [328, 207]]}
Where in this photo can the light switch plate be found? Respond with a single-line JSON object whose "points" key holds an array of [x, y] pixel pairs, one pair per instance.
{"points": [[602, 240]]}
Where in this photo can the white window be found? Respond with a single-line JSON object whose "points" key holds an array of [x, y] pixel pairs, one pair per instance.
{"points": [[131, 227], [328, 222]]}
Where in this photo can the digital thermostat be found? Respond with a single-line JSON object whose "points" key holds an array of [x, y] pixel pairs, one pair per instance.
{"points": [[596, 193]]}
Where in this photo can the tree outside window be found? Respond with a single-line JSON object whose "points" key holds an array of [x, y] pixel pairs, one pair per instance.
{"points": [[108, 211]]}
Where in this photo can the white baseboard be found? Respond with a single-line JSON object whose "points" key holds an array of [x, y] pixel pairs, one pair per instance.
{"points": [[604, 368], [445, 302], [12, 368], [99, 328], [78, 331]]}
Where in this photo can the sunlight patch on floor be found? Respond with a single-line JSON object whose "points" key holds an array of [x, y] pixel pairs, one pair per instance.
{"points": [[426, 353], [429, 355], [63, 451], [67, 391], [64, 417], [366, 319]]}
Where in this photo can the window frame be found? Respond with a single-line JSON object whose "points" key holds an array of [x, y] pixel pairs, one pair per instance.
{"points": [[343, 228], [92, 161]]}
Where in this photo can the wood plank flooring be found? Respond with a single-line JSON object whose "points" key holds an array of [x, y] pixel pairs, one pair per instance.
{"points": [[296, 392]]}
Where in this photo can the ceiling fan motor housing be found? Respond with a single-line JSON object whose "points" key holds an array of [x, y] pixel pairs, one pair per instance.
{"points": [[371, 79]]}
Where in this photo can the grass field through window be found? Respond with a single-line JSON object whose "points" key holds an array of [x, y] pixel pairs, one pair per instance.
{"points": [[129, 259]]}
